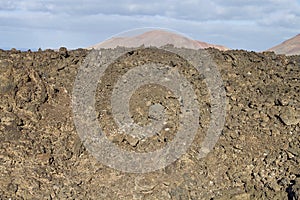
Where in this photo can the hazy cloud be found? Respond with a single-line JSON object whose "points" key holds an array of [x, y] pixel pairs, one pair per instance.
{"points": [[254, 24]]}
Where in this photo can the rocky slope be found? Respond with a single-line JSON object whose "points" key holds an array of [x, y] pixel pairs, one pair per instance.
{"points": [[256, 157], [288, 47]]}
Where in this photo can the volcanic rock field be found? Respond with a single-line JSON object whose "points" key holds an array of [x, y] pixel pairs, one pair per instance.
{"points": [[257, 155]]}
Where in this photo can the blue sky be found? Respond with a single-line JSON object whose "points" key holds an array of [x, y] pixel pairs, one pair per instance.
{"points": [[238, 24]]}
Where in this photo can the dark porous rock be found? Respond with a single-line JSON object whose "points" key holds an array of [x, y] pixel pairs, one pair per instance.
{"points": [[63, 52], [295, 193], [255, 157]]}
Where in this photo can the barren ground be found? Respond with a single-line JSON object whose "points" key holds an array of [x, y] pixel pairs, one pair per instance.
{"points": [[256, 157]]}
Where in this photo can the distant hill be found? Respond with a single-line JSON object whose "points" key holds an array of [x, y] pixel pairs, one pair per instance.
{"points": [[156, 38], [288, 47]]}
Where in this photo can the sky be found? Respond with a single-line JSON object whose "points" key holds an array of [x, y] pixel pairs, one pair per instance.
{"points": [[238, 24]]}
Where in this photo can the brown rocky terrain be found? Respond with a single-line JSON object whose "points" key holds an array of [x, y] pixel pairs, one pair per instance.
{"points": [[256, 157], [156, 38], [288, 47]]}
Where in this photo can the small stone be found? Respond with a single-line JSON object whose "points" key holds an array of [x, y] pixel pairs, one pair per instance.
{"points": [[293, 151], [14, 50], [148, 103], [243, 196], [43, 158], [289, 116], [63, 52], [296, 189], [133, 141], [274, 186], [13, 188], [283, 101], [229, 89], [144, 184], [275, 132]]}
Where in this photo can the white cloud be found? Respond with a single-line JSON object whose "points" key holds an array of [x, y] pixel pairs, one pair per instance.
{"points": [[235, 23]]}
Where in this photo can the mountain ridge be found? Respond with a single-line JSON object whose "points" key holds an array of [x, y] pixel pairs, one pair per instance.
{"points": [[156, 38], [288, 47]]}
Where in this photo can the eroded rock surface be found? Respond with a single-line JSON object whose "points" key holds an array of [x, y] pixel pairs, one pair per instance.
{"points": [[256, 157]]}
